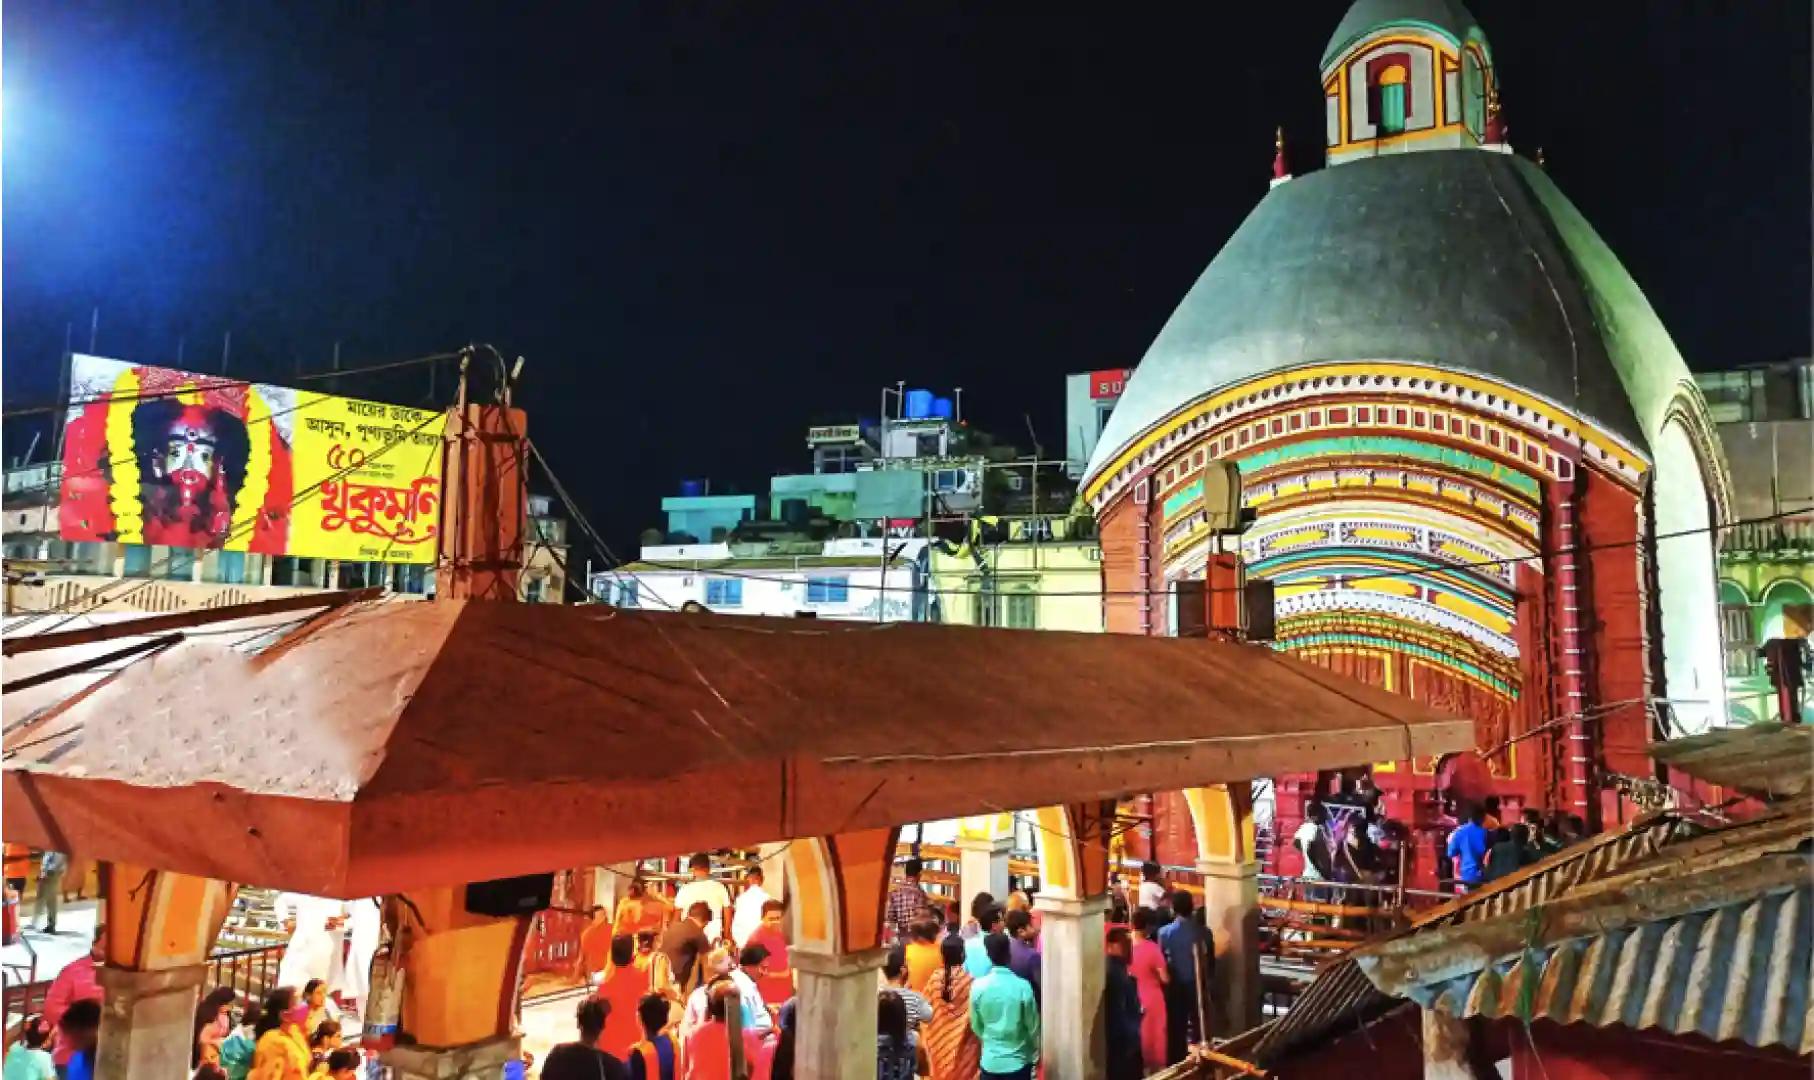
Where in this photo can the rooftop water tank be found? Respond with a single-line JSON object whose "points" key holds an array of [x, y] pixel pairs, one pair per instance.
{"points": [[692, 489], [941, 408], [919, 404]]}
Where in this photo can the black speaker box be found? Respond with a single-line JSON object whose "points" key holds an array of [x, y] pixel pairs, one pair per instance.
{"points": [[511, 896]]}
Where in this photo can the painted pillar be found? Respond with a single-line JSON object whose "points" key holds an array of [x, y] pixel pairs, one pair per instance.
{"points": [[1446, 1047], [161, 927], [462, 973], [837, 1011], [1074, 881], [984, 844], [1223, 818], [838, 894]]}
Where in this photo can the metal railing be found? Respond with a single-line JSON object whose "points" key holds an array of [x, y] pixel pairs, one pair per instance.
{"points": [[554, 940], [252, 972]]}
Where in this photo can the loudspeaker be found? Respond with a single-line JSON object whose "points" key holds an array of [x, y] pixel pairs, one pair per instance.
{"points": [[511, 896]]}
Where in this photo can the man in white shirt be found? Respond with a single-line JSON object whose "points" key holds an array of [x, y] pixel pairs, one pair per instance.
{"points": [[1152, 887], [753, 965], [315, 925], [746, 914], [703, 889]]}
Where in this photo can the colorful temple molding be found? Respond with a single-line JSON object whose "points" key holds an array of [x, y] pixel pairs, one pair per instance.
{"points": [[1480, 472]]}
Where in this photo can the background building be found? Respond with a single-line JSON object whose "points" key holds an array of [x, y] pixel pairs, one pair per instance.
{"points": [[1766, 561]]}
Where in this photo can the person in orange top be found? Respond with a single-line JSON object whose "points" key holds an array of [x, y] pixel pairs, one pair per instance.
{"points": [[622, 992], [778, 985], [922, 954], [594, 946], [640, 909]]}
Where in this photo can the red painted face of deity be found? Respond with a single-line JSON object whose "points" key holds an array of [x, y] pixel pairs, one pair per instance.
{"points": [[189, 453]]}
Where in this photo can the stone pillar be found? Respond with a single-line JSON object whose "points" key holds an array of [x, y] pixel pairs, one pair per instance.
{"points": [[983, 867], [147, 1021], [836, 1025], [1231, 899], [477, 1061], [1072, 972], [1446, 1047]]}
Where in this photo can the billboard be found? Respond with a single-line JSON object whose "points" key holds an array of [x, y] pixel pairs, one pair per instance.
{"points": [[157, 456], [1110, 383]]}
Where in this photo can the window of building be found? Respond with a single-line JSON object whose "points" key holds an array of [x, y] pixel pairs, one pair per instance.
{"points": [[532, 591], [1020, 610], [234, 568], [724, 592], [1741, 642], [626, 594], [1389, 103], [828, 590], [926, 445], [138, 560], [411, 578], [178, 563], [296, 573]]}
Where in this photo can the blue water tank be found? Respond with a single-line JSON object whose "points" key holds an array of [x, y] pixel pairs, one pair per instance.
{"points": [[941, 408], [919, 404], [692, 489]]}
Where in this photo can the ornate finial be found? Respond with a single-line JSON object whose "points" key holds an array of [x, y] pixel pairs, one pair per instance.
{"points": [[1281, 169], [1495, 123]]}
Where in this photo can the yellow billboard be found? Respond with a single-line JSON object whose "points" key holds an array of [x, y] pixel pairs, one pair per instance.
{"points": [[162, 457]]}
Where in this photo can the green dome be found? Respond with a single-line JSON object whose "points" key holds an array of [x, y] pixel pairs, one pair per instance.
{"points": [[1462, 259], [1446, 16]]}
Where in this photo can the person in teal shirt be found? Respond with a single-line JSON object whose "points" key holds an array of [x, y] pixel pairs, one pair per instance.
{"points": [[1005, 1017], [976, 955]]}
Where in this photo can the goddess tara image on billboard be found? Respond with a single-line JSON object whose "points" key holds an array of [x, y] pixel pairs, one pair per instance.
{"points": [[154, 456], [162, 457]]}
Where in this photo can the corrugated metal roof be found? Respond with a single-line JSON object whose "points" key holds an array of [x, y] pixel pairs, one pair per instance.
{"points": [[1711, 934], [1740, 971], [1342, 997], [1758, 759]]}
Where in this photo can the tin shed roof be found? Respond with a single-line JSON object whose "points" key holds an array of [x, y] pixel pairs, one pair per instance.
{"points": [[385, 746]]}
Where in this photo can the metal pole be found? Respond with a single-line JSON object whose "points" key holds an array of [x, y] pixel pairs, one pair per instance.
{"points": [[226, 351], [94, 329]]}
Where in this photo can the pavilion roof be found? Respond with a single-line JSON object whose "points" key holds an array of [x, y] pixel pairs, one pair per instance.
{"points": [[381, 746]]}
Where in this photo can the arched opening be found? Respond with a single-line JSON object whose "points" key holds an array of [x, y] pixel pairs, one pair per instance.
{"points": [[1693, 653]]}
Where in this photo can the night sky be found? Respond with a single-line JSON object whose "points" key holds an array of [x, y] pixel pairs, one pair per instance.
{"points": [[708, 226]]}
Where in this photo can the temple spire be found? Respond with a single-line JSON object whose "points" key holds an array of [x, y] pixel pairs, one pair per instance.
{"points": [[1281, 169]]}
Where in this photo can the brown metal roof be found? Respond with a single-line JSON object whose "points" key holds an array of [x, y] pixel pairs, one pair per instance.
{"points": [[1765, 759], [396, 745]]}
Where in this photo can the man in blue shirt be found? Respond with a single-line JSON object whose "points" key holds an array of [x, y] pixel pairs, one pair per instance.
{"points": [[1023, 953], [1005, 1017], [1468, 847], [1179, 940]]}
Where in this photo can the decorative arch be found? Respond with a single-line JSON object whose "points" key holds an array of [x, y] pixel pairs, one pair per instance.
{"points": [[839, 887], [1683, 497], [1221, 816], [1731, 592], [1778, 594], [1073, 844]]}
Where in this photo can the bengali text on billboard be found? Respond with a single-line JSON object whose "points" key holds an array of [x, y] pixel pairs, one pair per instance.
{"points": [[157, 456]]}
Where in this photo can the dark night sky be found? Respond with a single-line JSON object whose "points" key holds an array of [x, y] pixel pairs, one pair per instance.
{"points": [[706, 225]]}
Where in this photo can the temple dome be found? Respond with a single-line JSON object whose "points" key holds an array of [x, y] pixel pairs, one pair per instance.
{"points": [[1364, 16], [1462, 259]]}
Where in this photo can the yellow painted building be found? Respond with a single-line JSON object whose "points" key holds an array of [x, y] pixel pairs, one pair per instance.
{"points": [[1028, 573]]}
